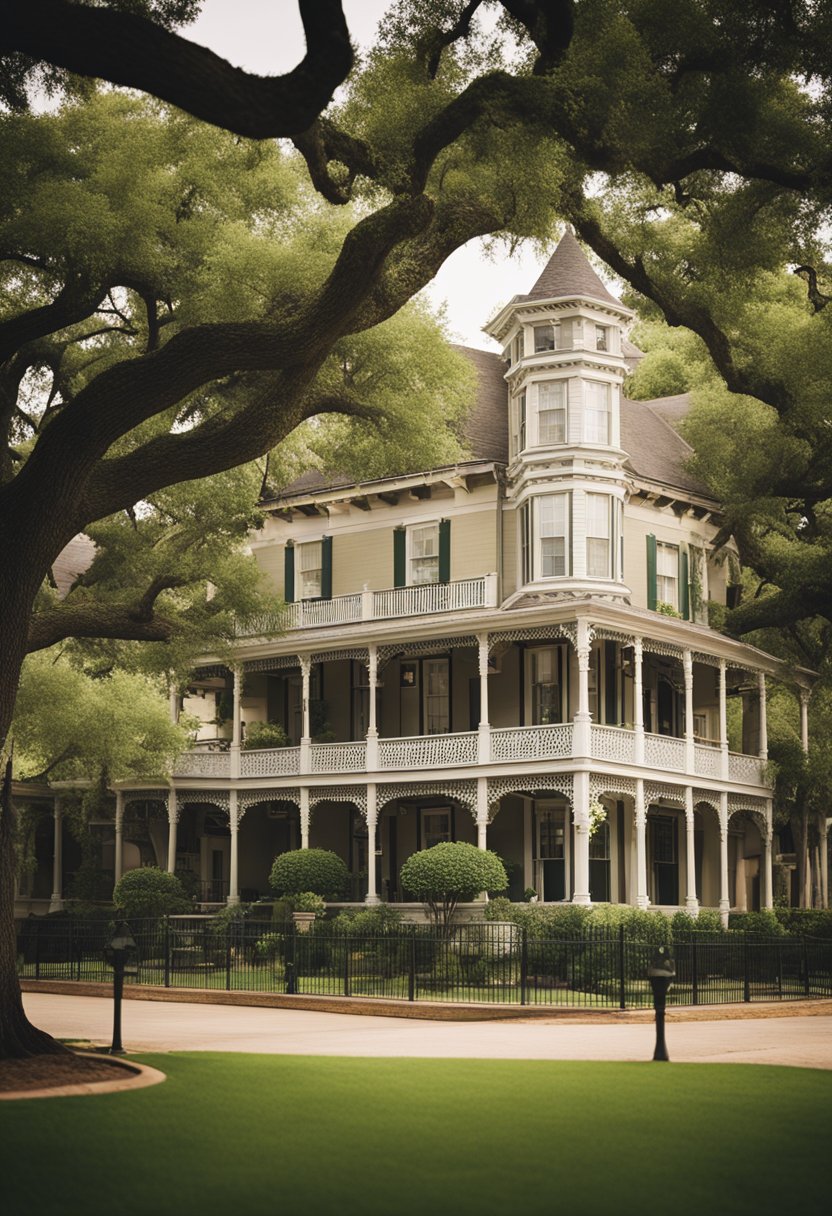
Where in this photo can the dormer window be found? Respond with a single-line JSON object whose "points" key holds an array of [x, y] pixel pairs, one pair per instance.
{"points": [[596, 412], [546, 337], [551, 412], [601, 337]]}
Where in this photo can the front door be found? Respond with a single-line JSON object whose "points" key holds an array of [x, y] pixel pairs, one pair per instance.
{"points": [[551, 853]]}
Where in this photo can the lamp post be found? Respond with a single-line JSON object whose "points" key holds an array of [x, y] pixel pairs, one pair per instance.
{"points": [[661, 973], [122, 955]]}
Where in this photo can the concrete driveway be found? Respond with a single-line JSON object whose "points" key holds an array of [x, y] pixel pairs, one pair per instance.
{"points": [[149, 1026]]}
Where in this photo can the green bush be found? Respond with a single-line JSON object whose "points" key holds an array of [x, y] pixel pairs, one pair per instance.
{"points": [[265, 734], [756, 924], [308, 901], [316, 870], [381, 918], [449, 874], [806, 922], [150, 891], [639, 924]]}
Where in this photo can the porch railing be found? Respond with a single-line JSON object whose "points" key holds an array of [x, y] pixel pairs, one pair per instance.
{"points": [[664, 752], [339, 757], [376, 605], [202, 764], [748, 769], [270, 762], [707, 760], [553, 742], [613, 743], [428, 751]]}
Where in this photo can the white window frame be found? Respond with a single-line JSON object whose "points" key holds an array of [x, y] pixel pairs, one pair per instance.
{"points": [[557, 658], [667, 584], [602, 338], [558, 388], [561, 503], [307, 586], [412, 556], [441, 668], [521, 422], [598, 516], [594, 430], [554, 326]]}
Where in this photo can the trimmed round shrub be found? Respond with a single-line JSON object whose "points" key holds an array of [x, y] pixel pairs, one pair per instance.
{"points": [[317, 870], [150, 891], [265, 734], [451, 873]]}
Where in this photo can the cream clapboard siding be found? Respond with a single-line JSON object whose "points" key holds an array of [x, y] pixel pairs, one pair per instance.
{"points": [[362, 557], [473, 544], [270, 560]]}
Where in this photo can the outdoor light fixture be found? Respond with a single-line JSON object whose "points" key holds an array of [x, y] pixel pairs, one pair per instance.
{"points": [[123, 956], [661, 973]]}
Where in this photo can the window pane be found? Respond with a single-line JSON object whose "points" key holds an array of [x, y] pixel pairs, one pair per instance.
{"points": [[597, 515], [552, 557], [667, 574], [597, 558], [308, 559], [597, 412], [310, 556], [600, 337], [552, 509], [550, 395], [544, 338], [551, 426]]}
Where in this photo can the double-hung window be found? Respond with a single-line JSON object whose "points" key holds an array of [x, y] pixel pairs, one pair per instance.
{"points": [[667, 574], [546, 337], [520, 423], [553, 535], [598, 540], [309, 569], [596, 412], [547, 685], [423, 554], [551, 412]]}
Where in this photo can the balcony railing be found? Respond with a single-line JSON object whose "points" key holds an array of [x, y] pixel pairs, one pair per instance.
{"points": [[532, 742], [610, 744], [428, 751], [368, 605]]}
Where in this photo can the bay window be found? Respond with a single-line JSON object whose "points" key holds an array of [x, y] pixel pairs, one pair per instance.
{"points": [[546, 337], [553, 535], [598, 536], [551, 412], [596, 412]]}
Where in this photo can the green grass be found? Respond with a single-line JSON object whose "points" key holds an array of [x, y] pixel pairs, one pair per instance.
{"points": [[249, 1135]]}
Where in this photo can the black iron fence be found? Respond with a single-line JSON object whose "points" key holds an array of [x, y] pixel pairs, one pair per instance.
{"points": [[480, 963]]}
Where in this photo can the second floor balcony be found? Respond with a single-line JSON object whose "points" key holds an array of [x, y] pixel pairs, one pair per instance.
{"points": [[655, 754]]}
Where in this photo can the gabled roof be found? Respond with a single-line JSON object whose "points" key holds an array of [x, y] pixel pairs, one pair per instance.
{"points": [[568, 273]]}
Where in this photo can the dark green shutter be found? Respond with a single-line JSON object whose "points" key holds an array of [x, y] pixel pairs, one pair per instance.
{"points": [[326, 568], [289, 573], [444, 550], [399, 559], [651, 572], [684, 590]]}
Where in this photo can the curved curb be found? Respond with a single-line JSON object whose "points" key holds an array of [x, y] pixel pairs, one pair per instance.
{"points": [[137, 1076]]}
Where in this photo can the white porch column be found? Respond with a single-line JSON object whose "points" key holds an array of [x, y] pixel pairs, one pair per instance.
{"points": [[236, 724], [690, 753], [761, 685], [482, 812], [372, 725], [767, 875], [581, 734], [118, 848], [804, 719], [372, 837], [580, 836], [638, 698], [724, 897], [304, 816], [723, 720], [640, 814], [305, 741], [691, 894], [56, 902], [173, 819], [484, 723], [234, 859]]}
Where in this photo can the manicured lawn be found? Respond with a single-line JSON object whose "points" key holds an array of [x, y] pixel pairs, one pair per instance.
{"points": [[252, 1135]]}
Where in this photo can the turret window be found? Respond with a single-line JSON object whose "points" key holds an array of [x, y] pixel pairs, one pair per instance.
{"points": [[553, 535], [596, 411], [598, 536], [546, 337], [551, 412], [601, 337]]}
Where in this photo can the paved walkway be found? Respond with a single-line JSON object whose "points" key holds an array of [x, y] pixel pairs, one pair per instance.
{"points": [[151, 1026]]}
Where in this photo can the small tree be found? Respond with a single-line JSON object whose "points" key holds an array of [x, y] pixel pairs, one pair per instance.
{"points": [[448, 873], [317, 870], [150, 891]]}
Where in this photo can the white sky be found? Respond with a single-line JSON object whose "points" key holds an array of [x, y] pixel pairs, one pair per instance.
{"points": [[266, 36]]}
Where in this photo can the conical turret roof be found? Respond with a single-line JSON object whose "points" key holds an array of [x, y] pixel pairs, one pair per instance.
{"points": [[568, 273]]}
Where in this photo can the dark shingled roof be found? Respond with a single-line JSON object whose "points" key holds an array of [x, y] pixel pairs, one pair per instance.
{"points": [[486, 428], [568, 273]]}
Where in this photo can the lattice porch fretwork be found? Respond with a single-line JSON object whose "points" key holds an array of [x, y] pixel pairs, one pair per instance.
{"points": [[347, 652], [535, 633], [653, 790], [281, 662], [429, 646], [254, 797], [668, 649], [610, 786], [145, 796], [463, 792], [215, 798], [498, 787], [356, 794]]}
